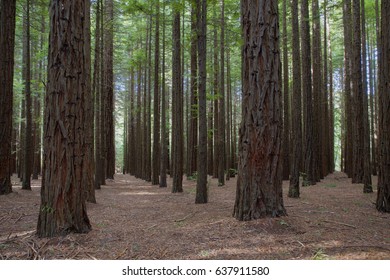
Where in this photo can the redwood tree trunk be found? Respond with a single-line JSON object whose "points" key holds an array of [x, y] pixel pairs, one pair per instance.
{"points": [[63, 208], [177, 108], [259, 183], [201, 186], [383, 197], [296, 106], [7, 44]]}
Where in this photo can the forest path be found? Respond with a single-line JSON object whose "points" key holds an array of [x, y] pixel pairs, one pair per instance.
{"points": [[134, 220]]}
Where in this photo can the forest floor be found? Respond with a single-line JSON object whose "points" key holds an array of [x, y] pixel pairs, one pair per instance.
{"points": [[134, 220]]}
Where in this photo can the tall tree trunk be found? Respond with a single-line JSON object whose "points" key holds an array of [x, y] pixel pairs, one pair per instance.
{"points": [[96, 89], [28, 147], [193, 130], [228, 116], [366, 127], [296, 108], [164, 134], [89, 162], [383, 196], [317, 92], [331, 105], [177, 108], [372, 108], [286, 103], [357, 93], [221, 120], [63, 208], [109, 89], [309, 175], [347, 22], [156, 104], [325, 108], [216, 97], [7, 44], [201, 186], [259, 188]]}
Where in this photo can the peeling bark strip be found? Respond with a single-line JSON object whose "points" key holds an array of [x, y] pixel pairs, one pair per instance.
{"points": [[63, 207], [259, 184]]}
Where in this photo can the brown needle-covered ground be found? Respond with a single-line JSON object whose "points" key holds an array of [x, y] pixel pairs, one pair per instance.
{"points": [[134, 220]]}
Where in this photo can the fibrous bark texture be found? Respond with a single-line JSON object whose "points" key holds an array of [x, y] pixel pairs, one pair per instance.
{"points": [[63, 206], [259, 183]]}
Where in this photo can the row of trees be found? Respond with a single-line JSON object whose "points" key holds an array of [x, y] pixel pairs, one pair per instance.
{"points": [[81, 109]]}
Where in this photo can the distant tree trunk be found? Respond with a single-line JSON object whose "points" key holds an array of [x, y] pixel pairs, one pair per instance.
{"points": [[148, 121], [7, 44], [347, 22], [96, 89], [177, 108], [164, 149], [331, 106], [296, 105], [372, 108], [325, 108], [259, 187], [317, 92], [221, 120], [383, 196], [131, 136], [193, 130], [357, 93], [63, 208], [201, 186], [366, 127], [309, 175], [89, 173], [156, 104], [102, 103], [216, 97], [28, 147], [109, 129], [228, 115], [286, 97]]}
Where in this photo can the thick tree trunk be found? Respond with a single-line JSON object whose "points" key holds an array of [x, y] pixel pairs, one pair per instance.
{"points": [[259, 183], [383, 197], [7, 44], [63, 208]]}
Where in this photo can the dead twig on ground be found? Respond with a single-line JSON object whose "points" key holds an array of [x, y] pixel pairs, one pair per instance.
{"points": [[186, 217], [343, 224]]}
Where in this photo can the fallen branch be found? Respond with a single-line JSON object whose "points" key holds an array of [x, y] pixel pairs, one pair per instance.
{"points": [[186, 217], [343, 224]]}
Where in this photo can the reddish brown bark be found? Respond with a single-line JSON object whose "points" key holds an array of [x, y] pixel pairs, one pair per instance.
{"points": [[63, 207], [259, 183]]}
